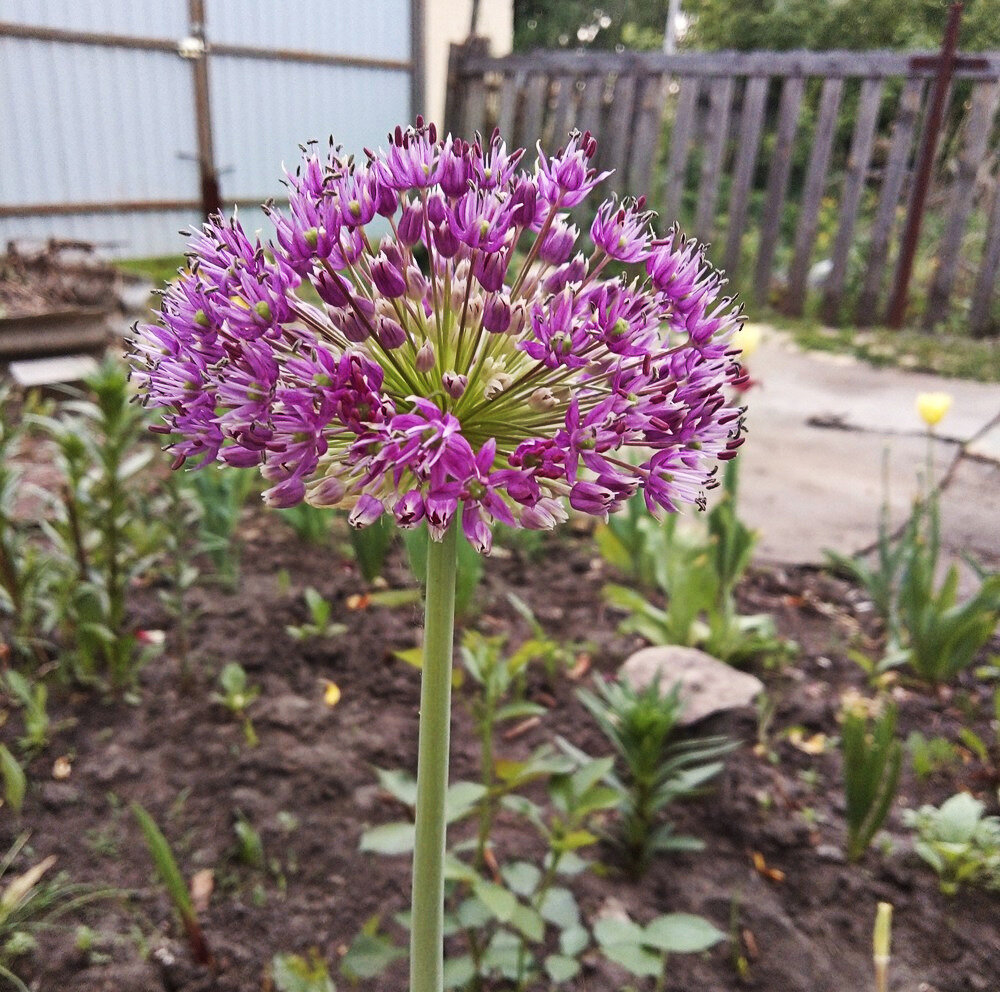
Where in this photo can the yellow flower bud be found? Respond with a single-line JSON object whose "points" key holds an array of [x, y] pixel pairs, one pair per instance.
{"points": [[933, 406], [747, 338], [331, 693]]}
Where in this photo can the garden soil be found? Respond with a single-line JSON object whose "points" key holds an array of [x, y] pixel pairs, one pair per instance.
{"points": [[771, 875]]}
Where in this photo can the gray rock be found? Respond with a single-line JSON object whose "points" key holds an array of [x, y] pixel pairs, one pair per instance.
{"points": [[707, 684]]}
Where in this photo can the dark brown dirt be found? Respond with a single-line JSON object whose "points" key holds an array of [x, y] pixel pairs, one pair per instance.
{"points": [[185, 758]]}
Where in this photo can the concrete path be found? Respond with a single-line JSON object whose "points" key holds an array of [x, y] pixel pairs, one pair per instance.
{"points": [[812, 466]]}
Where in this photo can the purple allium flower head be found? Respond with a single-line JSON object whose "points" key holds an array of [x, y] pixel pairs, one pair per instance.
{"points": [[459, 364]]}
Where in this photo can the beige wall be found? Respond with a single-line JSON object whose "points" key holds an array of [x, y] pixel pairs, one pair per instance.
{"points": [[447, 21]]}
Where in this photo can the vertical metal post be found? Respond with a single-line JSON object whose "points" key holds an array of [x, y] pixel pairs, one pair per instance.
{"points": [[418, 59], [211, 198], [474, 19], [670, 31], [921, 182]]}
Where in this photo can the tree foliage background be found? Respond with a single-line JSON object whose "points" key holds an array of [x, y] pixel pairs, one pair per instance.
{"points": [[754, 24]]}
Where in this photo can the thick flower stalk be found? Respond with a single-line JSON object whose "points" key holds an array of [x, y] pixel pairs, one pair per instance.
{"points": [[427, 337]]}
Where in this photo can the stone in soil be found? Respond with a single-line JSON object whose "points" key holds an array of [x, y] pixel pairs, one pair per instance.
{"points": [[707, 685]]}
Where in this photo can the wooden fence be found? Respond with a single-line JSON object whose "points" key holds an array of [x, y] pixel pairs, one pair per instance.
{"points": [[800, 164]]}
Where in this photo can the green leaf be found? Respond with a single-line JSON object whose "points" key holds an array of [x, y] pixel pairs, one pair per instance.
{"points": [[514, 711], [399, 784], [461, 799], [293, 973], [166, 865], [573, 941], [394, 597], [527, 920], [473, 914], [560, 909], [621, 941], [458, 972], [499, 901], [560, 968], [521, 877], [369, 955], [389, 838], [14, 781], [576, 839], [504, 954], [682, 933]]}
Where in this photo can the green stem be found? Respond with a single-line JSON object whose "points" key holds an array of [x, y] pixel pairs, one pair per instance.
{"points": [[426, 935]]}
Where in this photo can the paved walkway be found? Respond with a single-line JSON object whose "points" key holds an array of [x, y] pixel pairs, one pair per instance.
{"points": [[812, 466]]}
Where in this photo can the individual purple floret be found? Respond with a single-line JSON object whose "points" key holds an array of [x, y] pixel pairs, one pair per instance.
{"points": [[468, 356]]}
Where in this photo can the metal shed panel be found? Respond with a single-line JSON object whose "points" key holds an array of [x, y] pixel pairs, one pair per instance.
{"points": [[94, 124], [263, 110], [376, 29], [160, 19]]}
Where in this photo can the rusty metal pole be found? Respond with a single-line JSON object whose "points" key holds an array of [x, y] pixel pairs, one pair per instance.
{"points": [[922, 180], [211, 198]]}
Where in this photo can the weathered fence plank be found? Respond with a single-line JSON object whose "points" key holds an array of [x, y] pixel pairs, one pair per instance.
{"points": [[509, 97], [680, 139], [620, 130], [719, 101], [869, 103], [975, 142], [535, 98], [985, 292], [592, 105], [648, 128], [816, 178], [777, 183], [564, 115], [751, 121], [893, 177]]}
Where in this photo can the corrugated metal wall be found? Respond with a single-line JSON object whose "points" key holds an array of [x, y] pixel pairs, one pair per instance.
{"points": [[94, 124]]}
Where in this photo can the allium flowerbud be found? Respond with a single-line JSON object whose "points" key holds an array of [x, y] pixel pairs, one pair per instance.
{"points": [[389, 248], [409, 509], [331, 289], [410, 225], [454, 384], [367, 511], [389, 333], [558, 243], [424, 360], [437, 210], [490, 271], [416, 284], [445, 241], [285, 494], [496, 314], [386, 200], [388, 279], [329, 491], [542, 399], [497, 384]]}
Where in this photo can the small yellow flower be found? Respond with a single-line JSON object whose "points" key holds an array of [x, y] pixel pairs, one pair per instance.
{"points": [[331, 693], [933, 406], [747, 338]]}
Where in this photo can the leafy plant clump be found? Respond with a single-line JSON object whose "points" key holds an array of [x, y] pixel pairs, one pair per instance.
{"points": [[926, 625], [101, 527], [872, 761], [659, 770], [697, 574], [958, 842]]}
